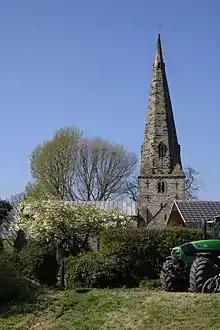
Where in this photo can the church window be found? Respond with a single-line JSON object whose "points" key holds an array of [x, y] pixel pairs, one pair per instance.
{"points": [[162, 149], [159, 65], [165, 217], [161, 187]]}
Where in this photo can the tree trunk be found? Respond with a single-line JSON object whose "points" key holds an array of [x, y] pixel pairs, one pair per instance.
{"points": [[60, 260]]}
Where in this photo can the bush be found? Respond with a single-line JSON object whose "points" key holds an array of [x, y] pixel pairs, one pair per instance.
{"points": [[126, 257], [146, 249], [12, 284], [38, 261], [97, 270]]}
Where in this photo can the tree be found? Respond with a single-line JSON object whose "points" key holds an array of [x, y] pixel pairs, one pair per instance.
{"points": [[192, 184], [70, 167], [64, 224], [103, 170], [131, 188], [53, 165], [5, 209]]}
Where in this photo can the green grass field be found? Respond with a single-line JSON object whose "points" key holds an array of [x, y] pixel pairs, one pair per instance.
{"points": [[115, 309]]}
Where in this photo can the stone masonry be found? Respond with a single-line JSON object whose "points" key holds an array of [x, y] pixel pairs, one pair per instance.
{"points": [[161, 179]]}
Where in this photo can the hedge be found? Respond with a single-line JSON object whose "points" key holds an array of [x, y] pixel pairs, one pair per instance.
{"points": [[126, 257], [146, 249]]}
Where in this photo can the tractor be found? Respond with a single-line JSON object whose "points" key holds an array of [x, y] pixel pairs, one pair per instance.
{"points": [[191, 264]]}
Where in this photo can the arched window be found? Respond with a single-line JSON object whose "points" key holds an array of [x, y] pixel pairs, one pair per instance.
{"points": [[161, 187], [162, 149]]}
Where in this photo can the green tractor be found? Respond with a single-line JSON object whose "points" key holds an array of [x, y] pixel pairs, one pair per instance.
{"points": [[191, 264]]}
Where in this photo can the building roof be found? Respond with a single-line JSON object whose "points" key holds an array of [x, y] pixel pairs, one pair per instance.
{"points": [[194, 212], [129, 208]]}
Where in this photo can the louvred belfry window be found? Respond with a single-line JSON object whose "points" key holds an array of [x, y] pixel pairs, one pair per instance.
{"points": [[162, 149]]}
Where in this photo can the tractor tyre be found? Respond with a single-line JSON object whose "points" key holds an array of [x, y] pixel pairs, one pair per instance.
{"points": [[170, 279], [201, 270]]}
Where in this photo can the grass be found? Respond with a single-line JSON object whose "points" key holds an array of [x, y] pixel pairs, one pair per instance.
{"points": [[115, 309]]}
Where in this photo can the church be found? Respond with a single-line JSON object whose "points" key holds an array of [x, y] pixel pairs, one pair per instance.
{"points": [[162, 197], [161, 179]]}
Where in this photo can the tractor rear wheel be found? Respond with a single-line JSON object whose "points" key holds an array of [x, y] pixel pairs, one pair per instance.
{"points": [[170, 278], [201, 270]]}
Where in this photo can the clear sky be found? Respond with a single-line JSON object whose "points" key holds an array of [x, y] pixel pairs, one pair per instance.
{"points": [[88, 63]]}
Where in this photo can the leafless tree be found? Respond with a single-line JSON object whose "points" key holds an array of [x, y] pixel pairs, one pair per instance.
{"points": [[70, 167], [103, 170], [192, 184]]}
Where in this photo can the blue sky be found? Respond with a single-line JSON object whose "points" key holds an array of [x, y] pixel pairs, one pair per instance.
{"points": [[89, 64]]}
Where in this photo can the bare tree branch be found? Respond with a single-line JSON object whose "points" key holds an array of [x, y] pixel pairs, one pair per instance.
{"points": [[103, 170], [70, 167], [192, 184]]}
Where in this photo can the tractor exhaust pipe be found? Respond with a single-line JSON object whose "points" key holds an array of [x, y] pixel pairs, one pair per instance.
{"points": [[204, 230]]}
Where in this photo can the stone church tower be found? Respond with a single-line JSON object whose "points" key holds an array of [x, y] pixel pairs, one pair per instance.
{"points": [[161, 179]]}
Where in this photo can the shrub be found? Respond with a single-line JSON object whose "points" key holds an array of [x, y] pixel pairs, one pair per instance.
{"points": [[12, 284], [37, 260], [145, 249], [98, 270], [127, 257]]}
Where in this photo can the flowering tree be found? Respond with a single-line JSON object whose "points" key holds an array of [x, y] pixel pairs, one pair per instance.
{"points": [[55, 220], [65, 224]]}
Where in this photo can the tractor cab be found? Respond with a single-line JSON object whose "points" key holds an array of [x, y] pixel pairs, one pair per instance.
{"points": [[213, 227]]}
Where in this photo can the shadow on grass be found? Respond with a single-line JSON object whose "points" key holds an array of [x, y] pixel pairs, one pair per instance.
{"points": [[23, 305], [82, 290], [41, 300]]}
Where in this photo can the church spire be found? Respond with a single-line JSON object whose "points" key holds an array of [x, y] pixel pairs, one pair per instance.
{"points": [[161, 179], [159, 54], [160, 150]]}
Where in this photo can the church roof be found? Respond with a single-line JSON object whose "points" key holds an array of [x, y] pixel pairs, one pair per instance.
{"points": [[194, 212], [129, 208]]}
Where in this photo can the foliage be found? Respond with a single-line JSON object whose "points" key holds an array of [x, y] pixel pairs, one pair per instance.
{"points": [[13, 284], [53, 163], [58, 220], [127, 257], [154, 244], [5, 209], [150, 284], [97, 270], [37, 261], [71, 167], [15, 201]]}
